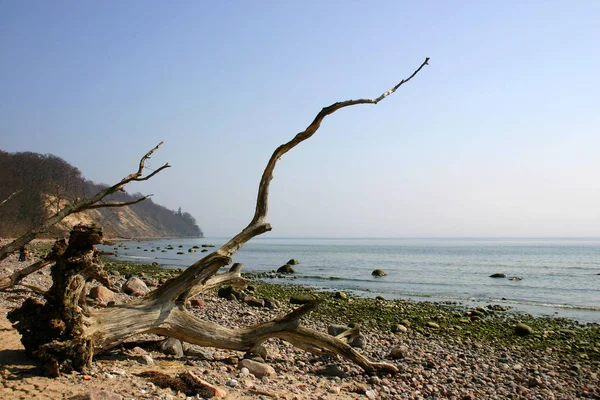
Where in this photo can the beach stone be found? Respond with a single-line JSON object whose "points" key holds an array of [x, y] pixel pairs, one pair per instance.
{"points": [[293, 261], [101, 293], [146, 359], [332, 370], [302, 298], [229, 293], [135, 287], [271, 303], [371, 394], [254, 302], [359, 388], [380, 298], [433, 325], [341, 295], [286, 269], [399, 353], [523, 330], [498, 275], [257, 369], [98, 395], [199, 352], [379, 272], [358, 342], [232, 383], [335, 330], [197, 303], [400, 329], [172, 346]]}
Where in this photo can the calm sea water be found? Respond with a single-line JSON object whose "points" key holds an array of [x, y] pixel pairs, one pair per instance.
{"points": [[559, 276]]}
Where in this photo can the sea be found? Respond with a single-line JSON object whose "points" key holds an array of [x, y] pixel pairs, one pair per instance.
{"points": [[554, 277]]}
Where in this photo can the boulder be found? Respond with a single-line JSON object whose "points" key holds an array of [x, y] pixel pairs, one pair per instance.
{"points": [[498, 275], [254, 302], [135, 287], [378, 272], [196, 303], [398, 353], [358, 342], [400, 329], [341, 296], [271, 303], [257, 369], [286, 269], [332, 370], [523, 330], [302, 298], [335, 330], [172, 346], [229, 293], [293, 261], [102, 294]]}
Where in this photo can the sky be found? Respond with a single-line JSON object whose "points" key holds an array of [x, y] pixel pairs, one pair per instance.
{"points": [[498, 137]]}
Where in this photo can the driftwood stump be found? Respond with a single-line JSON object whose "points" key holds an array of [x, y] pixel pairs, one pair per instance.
{"points": [[52, 329]]}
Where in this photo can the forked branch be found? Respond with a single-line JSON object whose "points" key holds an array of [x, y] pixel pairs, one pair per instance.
{"points": [[84, 204]]}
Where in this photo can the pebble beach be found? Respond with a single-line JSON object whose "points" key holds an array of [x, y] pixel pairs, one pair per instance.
{"points": [[440, 349]]}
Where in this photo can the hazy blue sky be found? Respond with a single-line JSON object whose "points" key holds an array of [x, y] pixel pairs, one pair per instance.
{"points": [[499, 136]]}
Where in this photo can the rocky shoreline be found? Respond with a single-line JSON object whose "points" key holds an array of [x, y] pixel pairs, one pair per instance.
{"points": [[440, 349]]}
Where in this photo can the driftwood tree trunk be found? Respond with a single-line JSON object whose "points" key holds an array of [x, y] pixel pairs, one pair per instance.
{"points": [[74, 333]]}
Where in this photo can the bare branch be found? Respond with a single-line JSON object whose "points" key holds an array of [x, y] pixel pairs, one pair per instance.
{"points": [[82, 205], [262, 200], [10, 197], [123, 204]]}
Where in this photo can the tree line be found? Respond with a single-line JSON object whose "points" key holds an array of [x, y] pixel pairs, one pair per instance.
{"points": [[44, 183]]}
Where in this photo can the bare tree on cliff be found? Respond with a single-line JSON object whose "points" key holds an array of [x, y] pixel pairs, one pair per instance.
{"points": [[64, 334], [93, 202]]}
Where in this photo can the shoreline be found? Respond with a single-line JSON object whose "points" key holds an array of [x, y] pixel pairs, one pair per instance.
{"points": [[441, 350]]}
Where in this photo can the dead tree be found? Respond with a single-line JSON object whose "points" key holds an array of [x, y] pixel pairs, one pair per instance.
{"points": [[90, 203], [72, 333]]}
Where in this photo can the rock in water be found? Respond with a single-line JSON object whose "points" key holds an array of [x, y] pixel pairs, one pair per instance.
{"points": [[498, 275], [293, 261], [378, 272], [286, 269]]}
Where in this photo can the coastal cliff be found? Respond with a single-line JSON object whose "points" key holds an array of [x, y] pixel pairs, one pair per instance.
{"points": [[41, 184]]}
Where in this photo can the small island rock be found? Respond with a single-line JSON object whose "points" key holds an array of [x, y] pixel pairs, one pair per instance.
{"points": [[379, 272], [286, 269]]}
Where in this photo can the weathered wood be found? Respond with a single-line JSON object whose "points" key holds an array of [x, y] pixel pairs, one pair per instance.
{"points": [[84, 331]]}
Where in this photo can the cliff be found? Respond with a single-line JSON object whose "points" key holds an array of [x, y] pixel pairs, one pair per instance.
{"points": [[47, 183]]}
